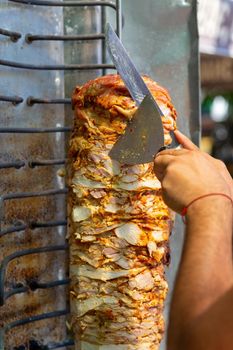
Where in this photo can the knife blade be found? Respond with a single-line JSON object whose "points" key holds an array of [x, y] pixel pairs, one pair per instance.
{"points": [[141, 141], [126, 68], [144, 135]]}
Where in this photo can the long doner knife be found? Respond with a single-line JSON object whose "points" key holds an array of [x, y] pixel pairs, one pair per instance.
{"points": [[144, 135]]}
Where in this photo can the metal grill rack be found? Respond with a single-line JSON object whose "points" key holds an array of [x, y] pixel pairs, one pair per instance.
{"points": [[34, 163]]}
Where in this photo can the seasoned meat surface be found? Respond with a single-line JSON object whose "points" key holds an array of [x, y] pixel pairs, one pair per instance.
{"points": [[119, 226]]}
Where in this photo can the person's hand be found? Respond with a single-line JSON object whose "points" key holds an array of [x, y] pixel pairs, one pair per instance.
{"points": [[188, 173]]}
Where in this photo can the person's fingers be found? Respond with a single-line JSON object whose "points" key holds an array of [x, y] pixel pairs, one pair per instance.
{"points": [[160, 165], [184, 141], [172, 152], [164, 158]]}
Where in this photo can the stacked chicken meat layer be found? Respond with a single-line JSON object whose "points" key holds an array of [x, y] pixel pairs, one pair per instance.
{"points": [[119, 225]]}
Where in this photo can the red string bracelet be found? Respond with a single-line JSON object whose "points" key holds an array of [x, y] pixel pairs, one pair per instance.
{"points": [[184, 211]]}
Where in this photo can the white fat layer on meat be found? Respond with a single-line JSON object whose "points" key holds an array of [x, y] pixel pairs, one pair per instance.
{"points": [[87, 259], [81, 307], [88, 346], [102, 274], [158, 236], [84, 181], [80, 214], [98, 231], [130, 232], [112, 167], [112, 208], [124, 263], [152, 184], [143, 281], [152, 247], [129, 178]]}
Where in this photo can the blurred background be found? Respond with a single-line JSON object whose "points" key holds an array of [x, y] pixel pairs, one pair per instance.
{"points": [[216, 46]]}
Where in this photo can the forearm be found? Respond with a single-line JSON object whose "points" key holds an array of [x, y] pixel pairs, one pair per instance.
{"points": [[205, 273]]}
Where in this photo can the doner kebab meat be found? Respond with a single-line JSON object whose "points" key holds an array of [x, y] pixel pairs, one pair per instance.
{"points": [[119, 226]]}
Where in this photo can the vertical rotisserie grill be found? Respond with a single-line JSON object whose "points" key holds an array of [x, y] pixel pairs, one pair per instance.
{"points": [[33, 275]]}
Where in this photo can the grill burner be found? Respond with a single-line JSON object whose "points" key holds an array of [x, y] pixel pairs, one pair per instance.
{"points": [[7, 289]]}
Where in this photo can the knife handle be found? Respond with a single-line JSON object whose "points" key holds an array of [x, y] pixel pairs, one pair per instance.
{"points": [[173, 145], [164, 148]]}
